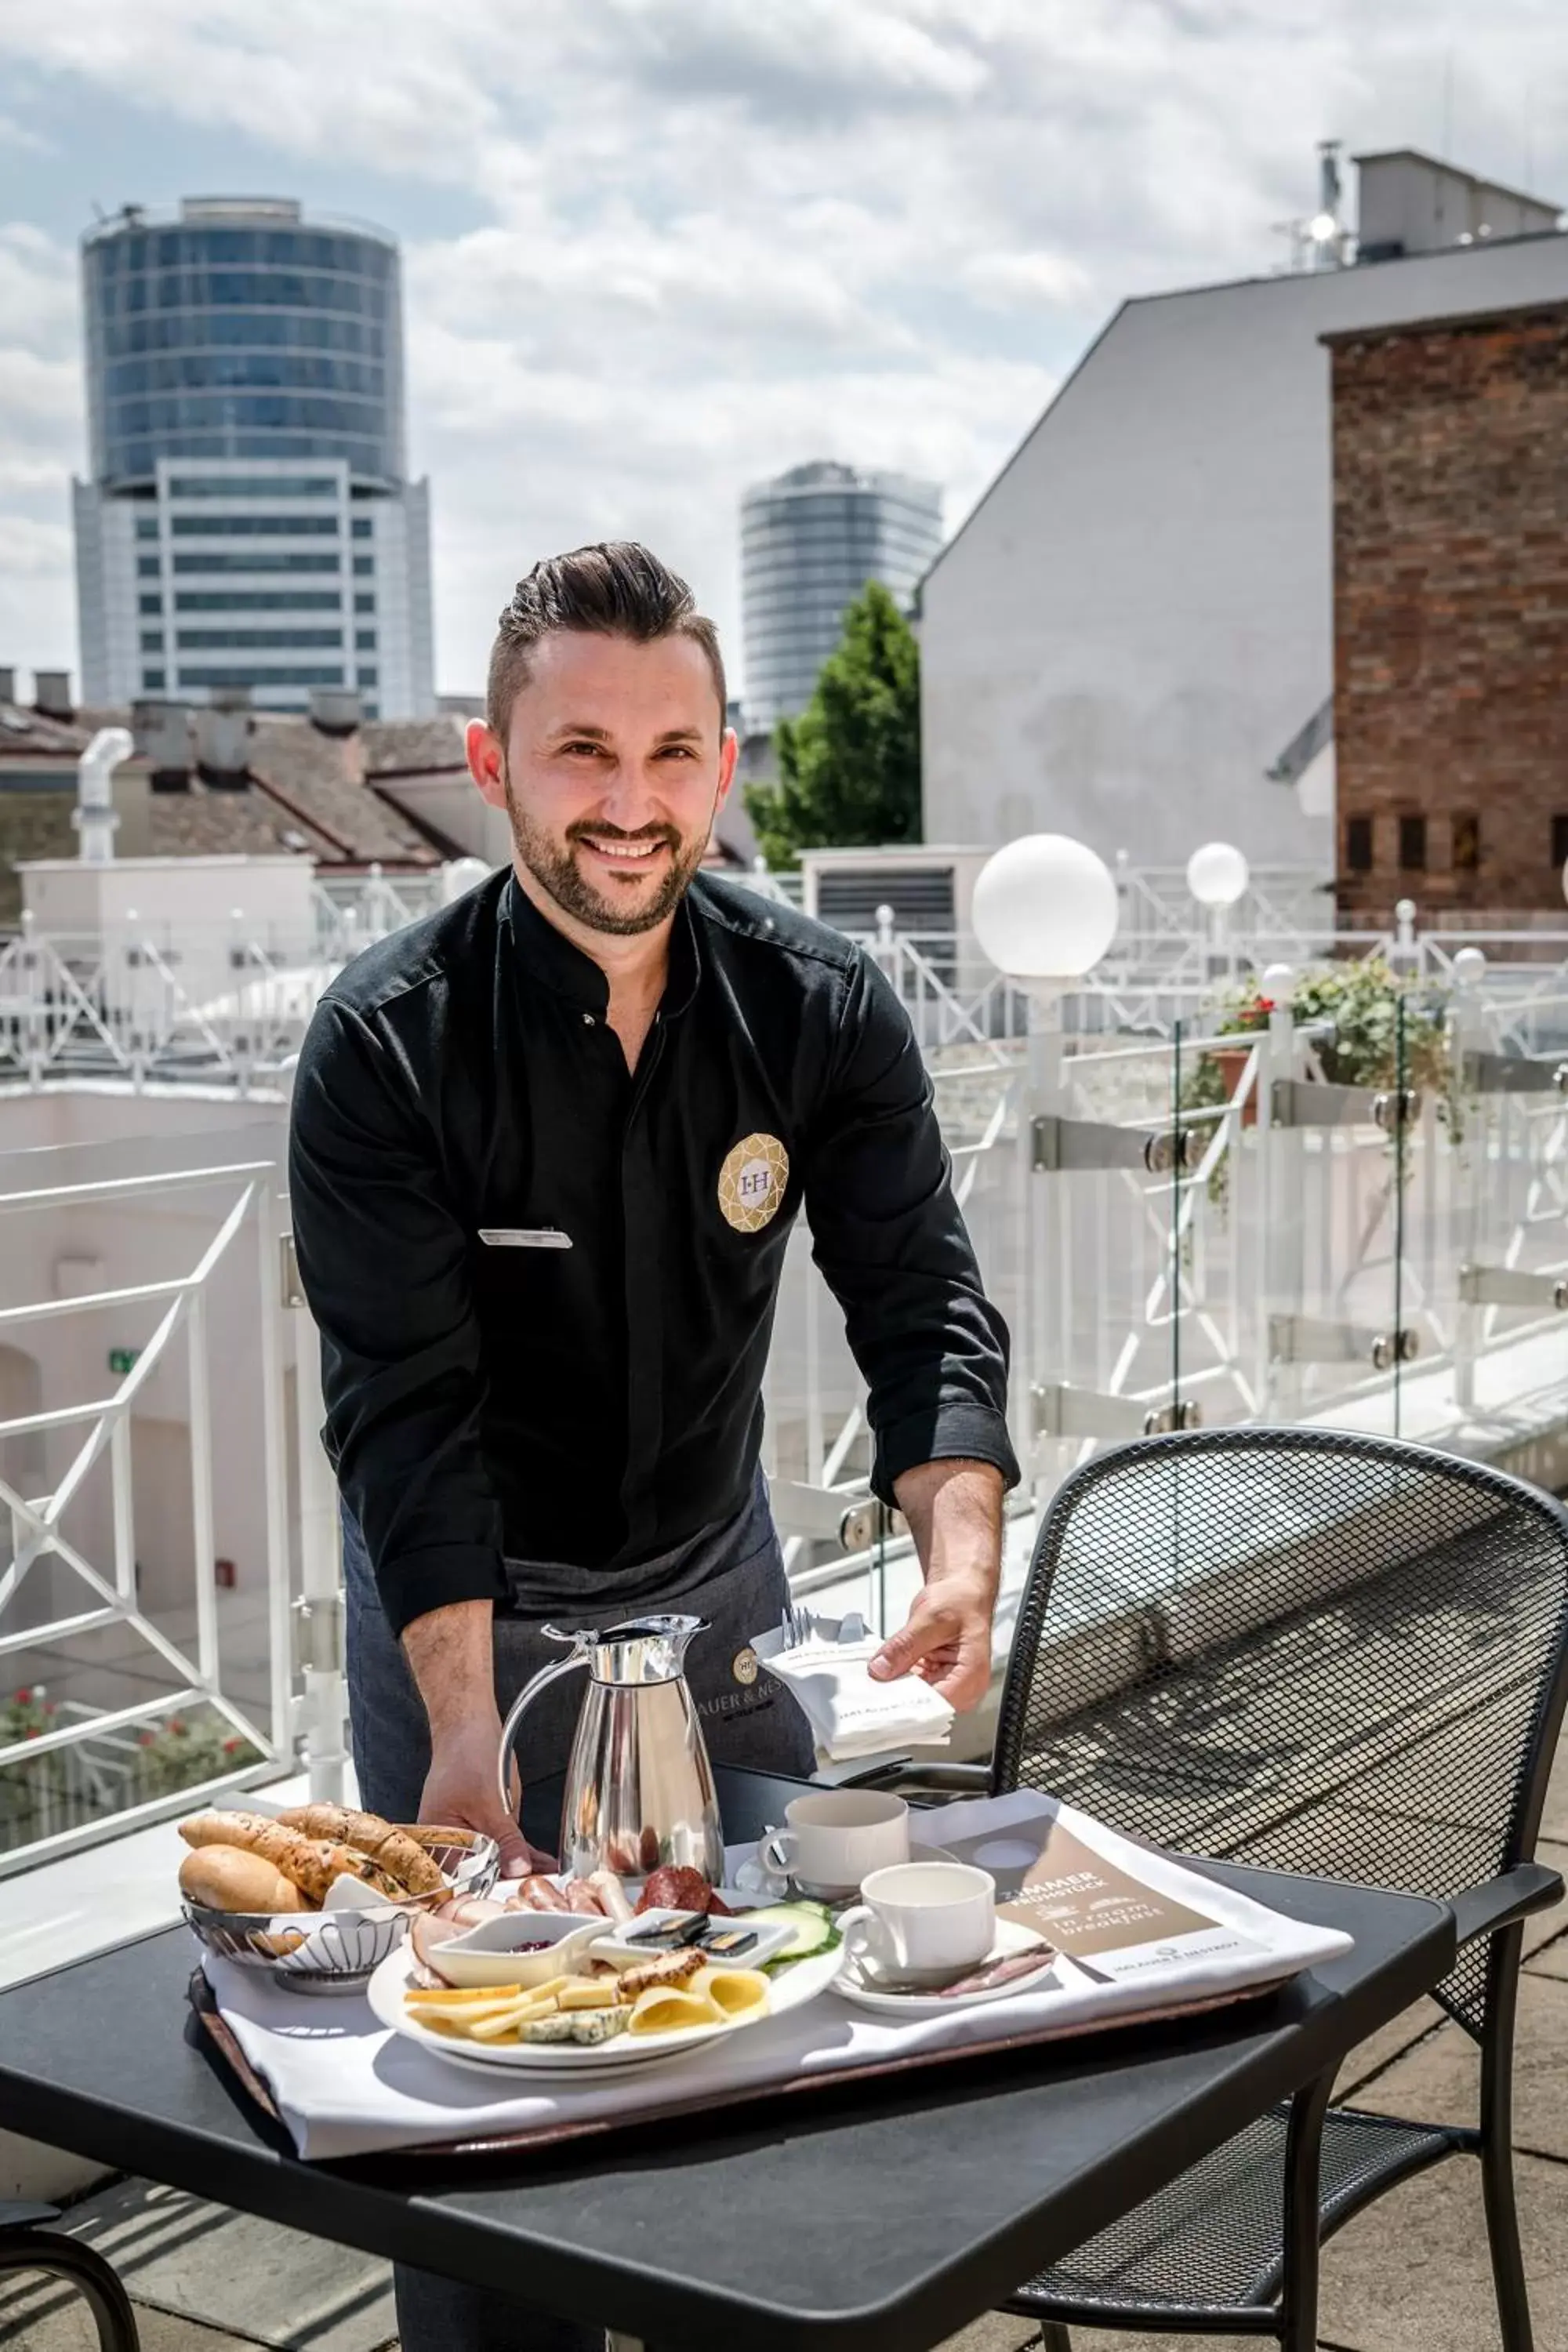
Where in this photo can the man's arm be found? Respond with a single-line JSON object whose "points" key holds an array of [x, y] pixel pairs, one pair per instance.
{"points": [[954, 1511], [383, 1258], [892, 1246]]}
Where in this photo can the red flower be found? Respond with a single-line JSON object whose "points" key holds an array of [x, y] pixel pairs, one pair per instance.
{"points": [[176, 1724], [229, 1746], [145, 1739], [1265, 1004], [33, 1734], [49, 1707], [24, 1698]]}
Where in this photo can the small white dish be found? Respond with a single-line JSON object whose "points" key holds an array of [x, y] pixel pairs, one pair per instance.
{"points": [[619, 1943], [891, 2000], [491, 1953]]}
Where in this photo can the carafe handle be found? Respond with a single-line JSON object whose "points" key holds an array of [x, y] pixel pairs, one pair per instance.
{"points": [[525, 1698]]}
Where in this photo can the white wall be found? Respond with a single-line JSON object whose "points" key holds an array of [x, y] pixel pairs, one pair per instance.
{"points": [[1138, 617]]}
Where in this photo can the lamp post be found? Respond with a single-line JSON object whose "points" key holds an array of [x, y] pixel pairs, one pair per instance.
{"points": [[1218, 877], [1044, 910]]}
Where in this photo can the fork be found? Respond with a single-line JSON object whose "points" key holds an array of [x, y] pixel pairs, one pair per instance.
{"points": [[796, 1626]]}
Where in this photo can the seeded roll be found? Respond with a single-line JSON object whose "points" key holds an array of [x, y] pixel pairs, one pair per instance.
{"points": [[391, 1849]]}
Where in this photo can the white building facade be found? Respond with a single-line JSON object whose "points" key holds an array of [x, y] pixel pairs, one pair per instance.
{"points": [[1136, 624], [248, 525]]}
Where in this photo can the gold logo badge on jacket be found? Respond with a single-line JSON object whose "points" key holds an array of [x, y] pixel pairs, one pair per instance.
{"points": [[751, 1182]]}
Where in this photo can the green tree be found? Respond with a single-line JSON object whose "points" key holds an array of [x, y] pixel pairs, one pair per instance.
{"points": [[849, 766]]}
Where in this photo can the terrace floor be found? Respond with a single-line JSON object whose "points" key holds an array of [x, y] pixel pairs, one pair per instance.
{"points": [[1410, 2275]]}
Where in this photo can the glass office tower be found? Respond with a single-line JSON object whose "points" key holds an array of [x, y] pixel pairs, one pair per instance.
{"points": [[810, 539], [248, 522]]}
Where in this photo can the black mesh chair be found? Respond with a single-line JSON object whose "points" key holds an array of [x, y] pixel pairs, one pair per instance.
{"points": [[25, 2244], [1311, 1651]]}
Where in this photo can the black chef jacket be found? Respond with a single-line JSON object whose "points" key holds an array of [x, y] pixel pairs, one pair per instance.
{"points": [[601, 1402]]}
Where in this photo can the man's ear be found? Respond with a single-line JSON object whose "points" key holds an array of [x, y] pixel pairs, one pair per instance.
{"points": [[486, 761], [729, 753]]}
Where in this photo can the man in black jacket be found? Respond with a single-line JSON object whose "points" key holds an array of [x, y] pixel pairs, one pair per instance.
{"points": [[548, 1146]]}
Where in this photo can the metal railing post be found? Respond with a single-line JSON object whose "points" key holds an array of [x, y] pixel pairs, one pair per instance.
{"points": [[324, 1708]]}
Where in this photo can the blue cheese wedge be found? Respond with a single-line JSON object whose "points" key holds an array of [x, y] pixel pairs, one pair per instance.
{"points": [[585, 2027]]}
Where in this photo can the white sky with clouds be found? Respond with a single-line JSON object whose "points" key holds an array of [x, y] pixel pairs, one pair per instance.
{"points": [[655, 249]]}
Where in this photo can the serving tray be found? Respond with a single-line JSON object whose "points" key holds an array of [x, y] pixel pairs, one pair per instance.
{"points": [[664, 2098]]}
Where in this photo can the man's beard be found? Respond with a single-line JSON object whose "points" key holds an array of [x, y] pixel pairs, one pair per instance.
{"points": [[557, 872]]}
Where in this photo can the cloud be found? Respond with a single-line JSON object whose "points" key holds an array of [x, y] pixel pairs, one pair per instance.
{"points": [[717, 237]]}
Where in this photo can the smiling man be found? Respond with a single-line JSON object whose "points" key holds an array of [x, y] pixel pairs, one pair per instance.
{"points": [[547, 1147]]}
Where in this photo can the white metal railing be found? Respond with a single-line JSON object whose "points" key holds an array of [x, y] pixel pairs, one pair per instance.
{"points": [[128, 1668]]}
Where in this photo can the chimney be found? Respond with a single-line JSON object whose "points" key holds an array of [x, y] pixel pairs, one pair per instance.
{"points": [[52, 693], [162, 735], [223, 739], [334, 710], [7, 685]]}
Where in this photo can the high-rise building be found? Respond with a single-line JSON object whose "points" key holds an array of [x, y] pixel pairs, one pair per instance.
{"points": [[249, 523], [810, 539]]}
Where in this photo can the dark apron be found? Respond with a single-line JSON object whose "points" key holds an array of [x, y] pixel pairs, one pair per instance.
{"points": [[732, 1576]]}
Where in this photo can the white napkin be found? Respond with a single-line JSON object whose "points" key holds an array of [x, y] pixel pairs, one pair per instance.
{"points": [[850, 1714], [345, 2086]]}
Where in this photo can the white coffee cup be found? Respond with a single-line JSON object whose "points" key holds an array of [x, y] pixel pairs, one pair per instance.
{"points": [[834, 1837], [923, 1919]]}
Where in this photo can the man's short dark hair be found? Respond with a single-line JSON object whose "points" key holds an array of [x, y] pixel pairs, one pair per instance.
{"points": [[613, 588]]}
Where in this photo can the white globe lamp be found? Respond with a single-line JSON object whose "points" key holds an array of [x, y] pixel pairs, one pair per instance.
{"points": [[1470, 965], [1217, 873], [1045, 909], [461, 874]]}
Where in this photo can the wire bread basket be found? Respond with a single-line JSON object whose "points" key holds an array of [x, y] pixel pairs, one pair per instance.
{"points": [[335, 1951]]}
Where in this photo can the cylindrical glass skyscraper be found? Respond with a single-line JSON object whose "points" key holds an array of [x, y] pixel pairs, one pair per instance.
{"points": [[810, 539], [249, 523]]}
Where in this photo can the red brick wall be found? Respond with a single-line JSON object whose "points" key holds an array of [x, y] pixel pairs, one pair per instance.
{"points": [[1450, 458]]}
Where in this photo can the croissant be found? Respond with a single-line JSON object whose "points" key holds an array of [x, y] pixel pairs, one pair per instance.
{"points": [[393, 1850]]}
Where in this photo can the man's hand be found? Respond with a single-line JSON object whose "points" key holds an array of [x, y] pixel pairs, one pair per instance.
{"points": [[460, 1787], [449, 1651], [954, 1511]]}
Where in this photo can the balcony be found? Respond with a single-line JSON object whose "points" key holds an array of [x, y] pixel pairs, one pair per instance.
{"points": [[1195, 1202]]}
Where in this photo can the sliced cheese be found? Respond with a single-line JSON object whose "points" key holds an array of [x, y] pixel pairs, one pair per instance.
{"points": [[664, 2009], [734, 1992]]}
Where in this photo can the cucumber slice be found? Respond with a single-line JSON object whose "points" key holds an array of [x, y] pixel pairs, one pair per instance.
{"points": [[810, 1924]]}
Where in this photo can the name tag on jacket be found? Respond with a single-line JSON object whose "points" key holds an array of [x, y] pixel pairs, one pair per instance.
{"points": [[525, 1237]]}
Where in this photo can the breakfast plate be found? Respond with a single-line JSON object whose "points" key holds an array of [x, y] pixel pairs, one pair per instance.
{"points": [[389, 1988], [890, 2000]]}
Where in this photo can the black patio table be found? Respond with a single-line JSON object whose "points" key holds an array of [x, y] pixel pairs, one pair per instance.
{"points": [[887, 2214]]}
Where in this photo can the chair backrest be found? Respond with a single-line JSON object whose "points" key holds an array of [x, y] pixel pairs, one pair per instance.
{"points": [[1299, 1648]]}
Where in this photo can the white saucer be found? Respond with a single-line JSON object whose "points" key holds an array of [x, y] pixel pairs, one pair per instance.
{"points": [[774, 1887], [850, 1985]]}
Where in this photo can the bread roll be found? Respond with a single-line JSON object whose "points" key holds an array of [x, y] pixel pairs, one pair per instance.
{"points": [[230, 1878], [391, 1849], [296, 1857]]}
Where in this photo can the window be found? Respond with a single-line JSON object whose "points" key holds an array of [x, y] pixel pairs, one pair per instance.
{"points": [[253, 525], [1467, 842], [364, 600], [1358, 845], [364, 567], [1559, 838], [368, 676], [258, 486], [257, 674], [151, 641], [152, 681], [150, 604], [263, 560], [1412, 844], [200, 641], [364, 641], [361, 525], [255, 600], [148, 567], [146, 526]]}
